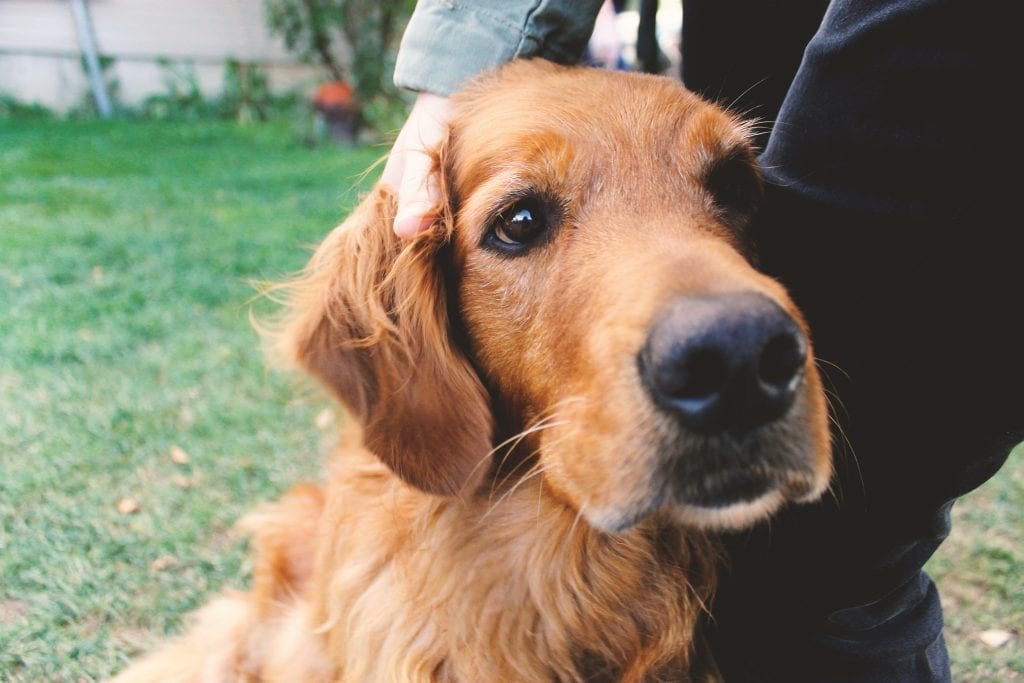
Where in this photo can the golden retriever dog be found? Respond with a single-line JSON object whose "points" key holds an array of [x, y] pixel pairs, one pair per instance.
{"points": [[559, 392]]}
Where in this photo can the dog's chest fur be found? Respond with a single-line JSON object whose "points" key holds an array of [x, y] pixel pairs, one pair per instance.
{"points": [[514, 573]]}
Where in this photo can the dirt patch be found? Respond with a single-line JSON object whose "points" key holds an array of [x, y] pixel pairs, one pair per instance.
{"points": [[12, 611]]}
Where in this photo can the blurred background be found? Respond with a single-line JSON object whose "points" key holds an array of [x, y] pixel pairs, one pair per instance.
{"points": [[158, 162], [248, 59]]}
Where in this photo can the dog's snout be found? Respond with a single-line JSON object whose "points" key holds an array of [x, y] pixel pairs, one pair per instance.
{"points": [[726, 363]]}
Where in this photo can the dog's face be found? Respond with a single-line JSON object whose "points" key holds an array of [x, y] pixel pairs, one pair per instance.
{"points": [[592, 255]]}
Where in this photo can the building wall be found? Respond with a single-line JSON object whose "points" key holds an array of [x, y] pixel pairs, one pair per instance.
{"points": [[40, 53]]}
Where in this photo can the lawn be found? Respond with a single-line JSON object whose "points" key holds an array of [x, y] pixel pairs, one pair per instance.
{"points": [[138, 419]]}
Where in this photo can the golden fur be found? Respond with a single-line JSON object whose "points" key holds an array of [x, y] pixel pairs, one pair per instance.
{"points": [[499, 514]]}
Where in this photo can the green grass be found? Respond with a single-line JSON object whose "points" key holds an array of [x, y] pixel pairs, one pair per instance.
{"points": [[980, 573], [126, 252]]}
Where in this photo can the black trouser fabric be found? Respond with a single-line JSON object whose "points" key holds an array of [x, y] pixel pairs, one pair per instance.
{"points": [[890, 214]]}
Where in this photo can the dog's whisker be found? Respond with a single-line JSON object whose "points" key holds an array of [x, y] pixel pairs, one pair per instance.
{"points": [[540, 501], [531, 459], [847, 451], [511, 443], [533, 472], [822, 361], [699, 599], [517, 439], [538, 424], [580, 511], [499, 483], [530, 473], [536, 454], [836, 409], [743, 94]]}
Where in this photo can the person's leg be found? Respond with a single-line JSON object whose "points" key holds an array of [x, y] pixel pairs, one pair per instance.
{"points": [[915, 332], [888, 217], [744, 53]]}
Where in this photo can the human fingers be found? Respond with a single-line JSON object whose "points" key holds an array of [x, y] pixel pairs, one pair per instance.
{"points": [[409, 169]]}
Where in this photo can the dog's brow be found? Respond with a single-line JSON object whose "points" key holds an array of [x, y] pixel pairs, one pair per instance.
{"points": [[494, 195], [515, 195]]}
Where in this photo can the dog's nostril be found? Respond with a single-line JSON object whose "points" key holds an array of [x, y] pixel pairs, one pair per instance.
{"points": [[692, 374], [782, 360]]}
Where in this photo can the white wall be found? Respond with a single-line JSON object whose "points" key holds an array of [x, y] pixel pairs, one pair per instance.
{"points": [[39, 50]]}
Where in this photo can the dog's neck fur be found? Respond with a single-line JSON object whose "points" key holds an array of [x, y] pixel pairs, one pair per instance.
{"points": [[509, 570]]}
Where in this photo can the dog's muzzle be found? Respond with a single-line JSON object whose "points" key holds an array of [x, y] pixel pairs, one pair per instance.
{"points": [[726, 368]]}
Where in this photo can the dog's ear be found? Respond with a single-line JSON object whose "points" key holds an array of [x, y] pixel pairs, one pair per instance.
{"points": [[369, 319]]}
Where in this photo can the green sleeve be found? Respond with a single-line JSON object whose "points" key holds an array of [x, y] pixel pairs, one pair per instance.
{"points": [[447, 42]]}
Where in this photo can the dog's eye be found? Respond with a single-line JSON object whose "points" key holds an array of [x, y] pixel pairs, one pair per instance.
{"points": [[516, 228], [520, 225]]}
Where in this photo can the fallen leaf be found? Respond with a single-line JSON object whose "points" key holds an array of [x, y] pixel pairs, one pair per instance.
{"points": [[325, 418], [183, 482], [179, 455], [995, 637], [97, 273], [163, 562], [127, 506]]}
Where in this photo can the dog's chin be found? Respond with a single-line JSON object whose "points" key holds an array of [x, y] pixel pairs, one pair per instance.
{"points": [[732, 508], [732, 515], [728, 516]]}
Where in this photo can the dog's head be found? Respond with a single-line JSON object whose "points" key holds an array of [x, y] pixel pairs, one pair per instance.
{"points": [[587, 287]]}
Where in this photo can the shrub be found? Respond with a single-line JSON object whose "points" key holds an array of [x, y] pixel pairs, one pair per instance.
{"points": [[353, 41]]}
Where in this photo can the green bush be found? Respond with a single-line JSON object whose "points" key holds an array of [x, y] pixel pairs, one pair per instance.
{"points": [[11, 107], [246, 96], [353, 41]]}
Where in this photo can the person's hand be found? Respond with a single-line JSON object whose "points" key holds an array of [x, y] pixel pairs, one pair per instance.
{"points": [[409, 165]]}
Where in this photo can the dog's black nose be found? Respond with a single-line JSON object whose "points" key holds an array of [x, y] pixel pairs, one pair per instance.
{"points": [[726, 363]]}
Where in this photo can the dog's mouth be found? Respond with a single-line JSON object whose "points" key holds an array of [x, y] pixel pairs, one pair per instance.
{"points": [[722, 483], [715, 483], [731, 499], [719, 500], [722, 489]]}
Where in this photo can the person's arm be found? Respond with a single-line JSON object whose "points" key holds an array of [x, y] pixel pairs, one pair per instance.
{"points": [[446, 43]]}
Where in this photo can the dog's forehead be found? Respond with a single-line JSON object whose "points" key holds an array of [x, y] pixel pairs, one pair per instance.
{"points": [[536, 119]]}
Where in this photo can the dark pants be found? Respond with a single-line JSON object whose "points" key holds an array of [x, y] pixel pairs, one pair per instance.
{"points": [[891, 219]]}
